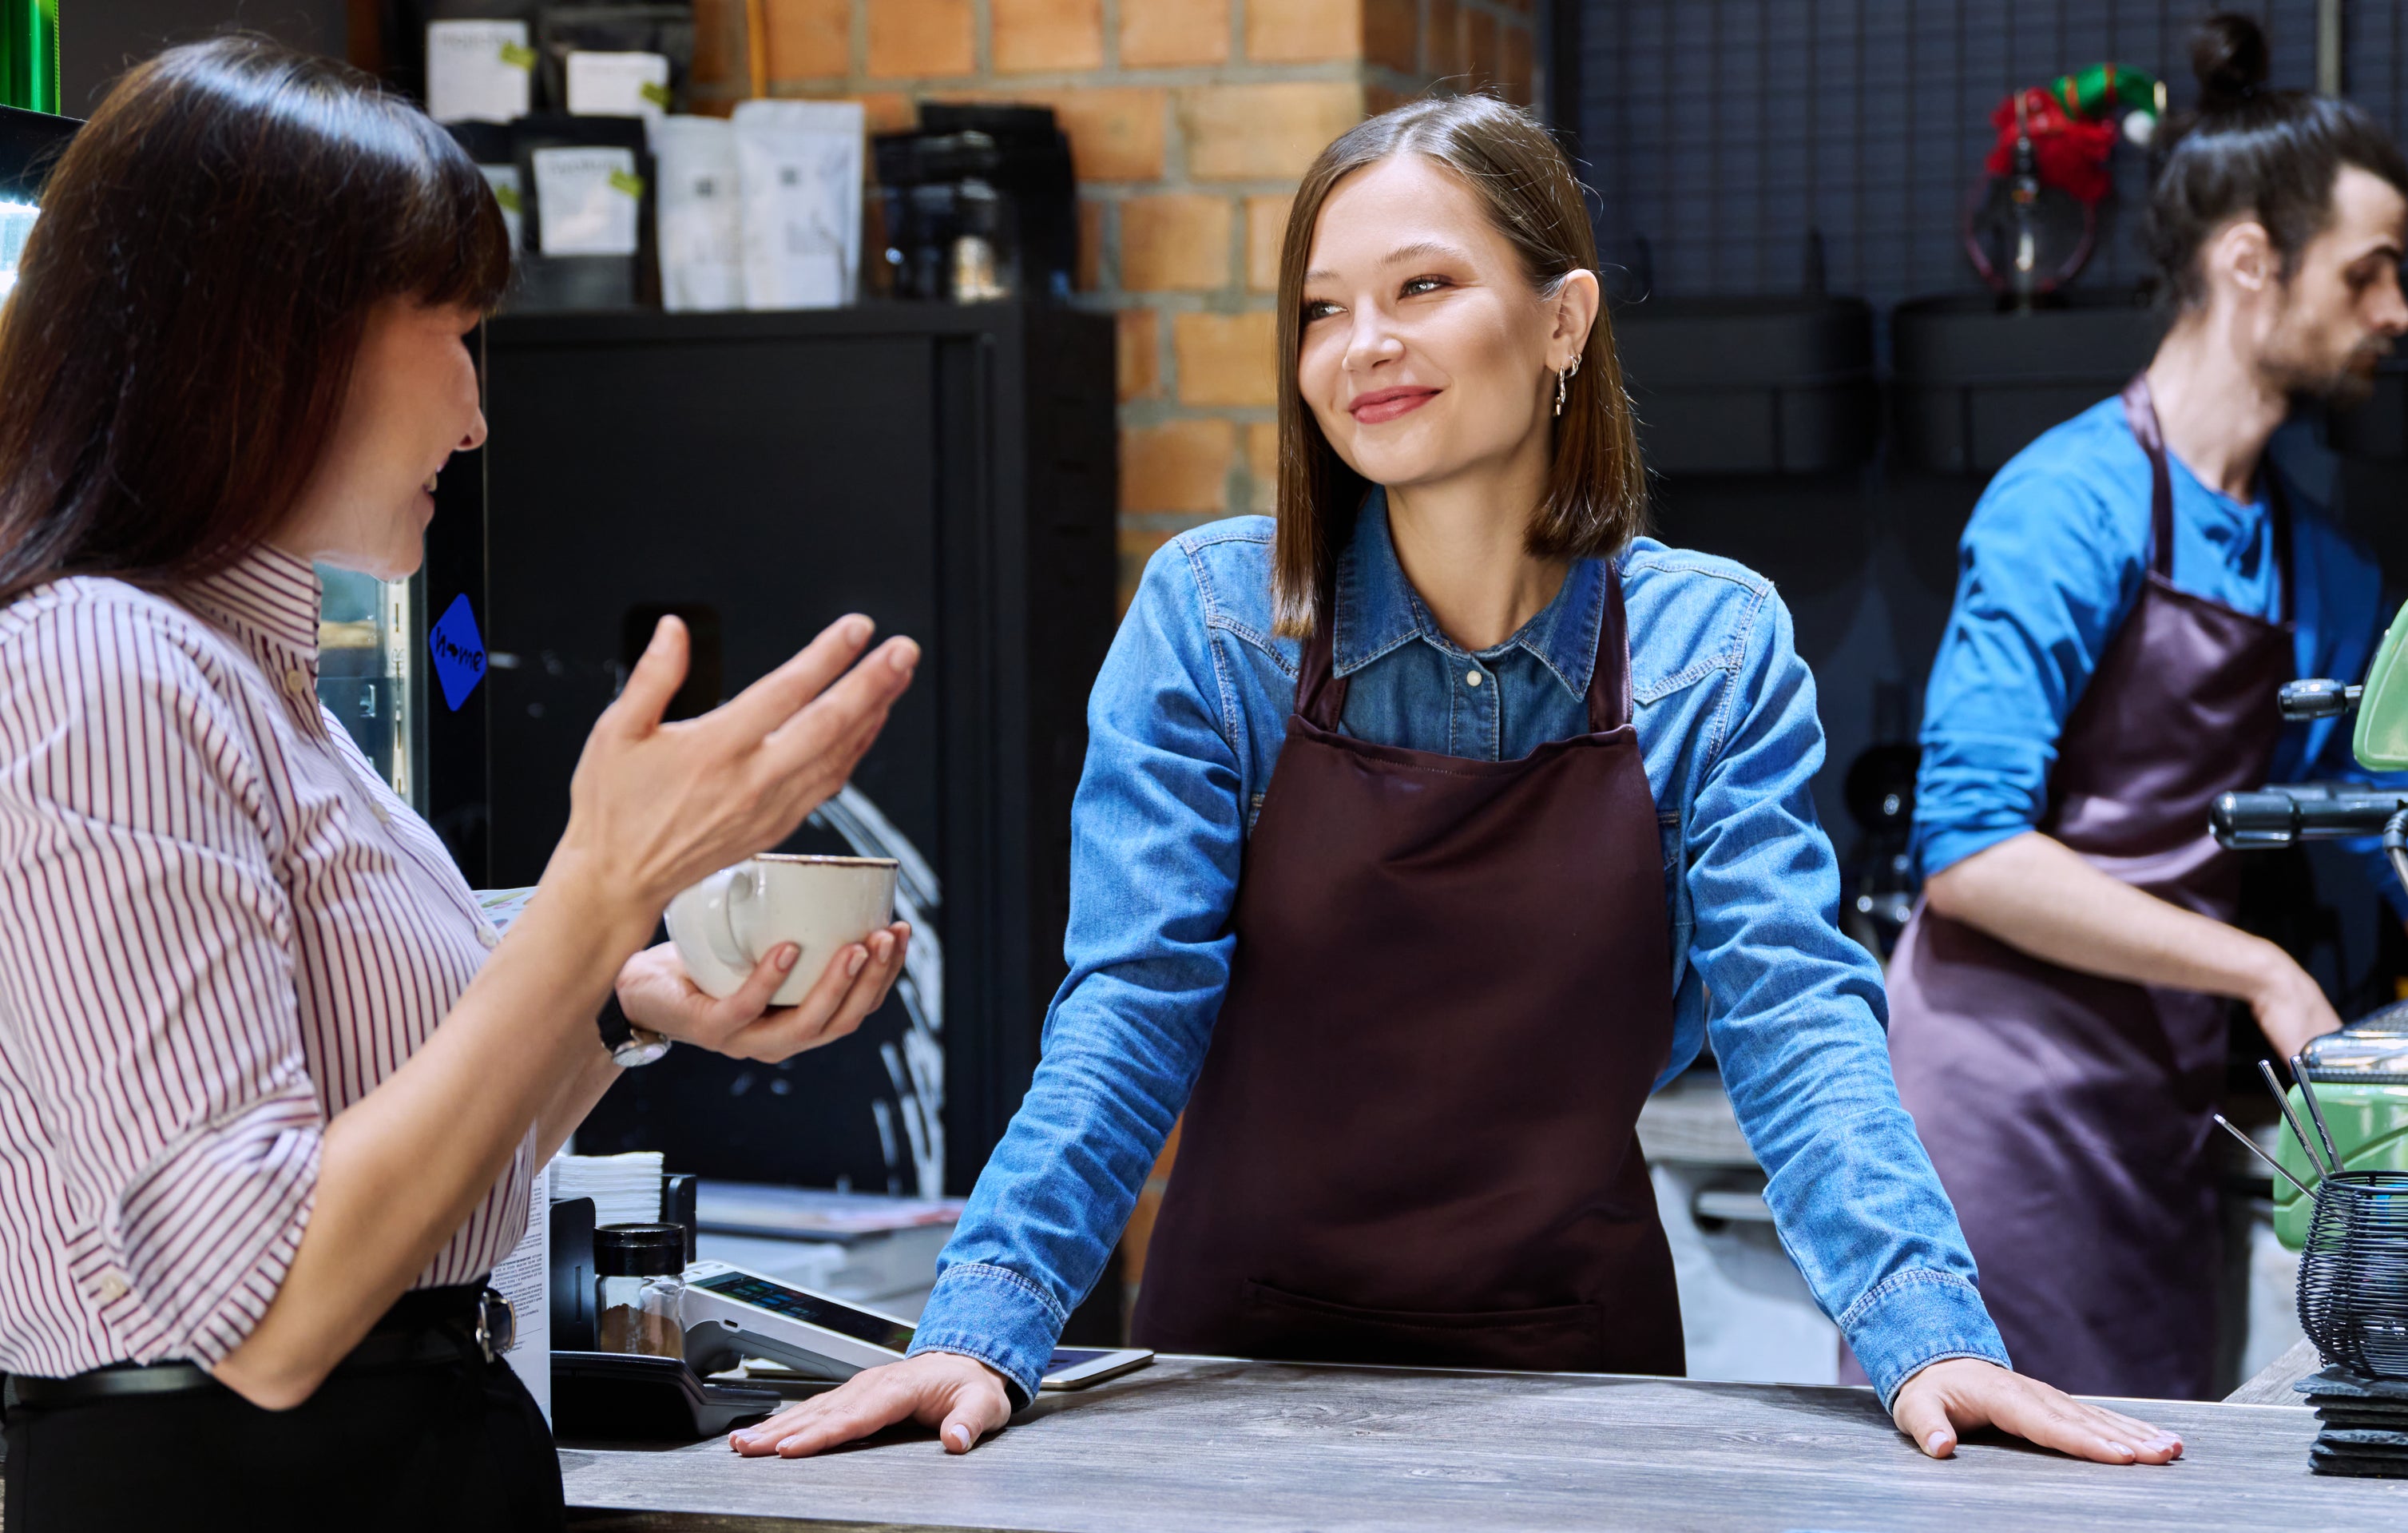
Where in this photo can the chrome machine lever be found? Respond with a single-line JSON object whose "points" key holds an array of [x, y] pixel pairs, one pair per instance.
{"points": [[2318, 698]]}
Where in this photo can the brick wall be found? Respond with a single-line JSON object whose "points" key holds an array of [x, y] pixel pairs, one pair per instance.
{"points": [[1190, 121]]}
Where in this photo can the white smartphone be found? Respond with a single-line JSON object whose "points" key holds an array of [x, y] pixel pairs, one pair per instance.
{"points": [[1076, 1368], [729, 1310]]}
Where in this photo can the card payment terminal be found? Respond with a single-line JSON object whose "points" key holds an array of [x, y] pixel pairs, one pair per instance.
{"points": [[730, 1314]]}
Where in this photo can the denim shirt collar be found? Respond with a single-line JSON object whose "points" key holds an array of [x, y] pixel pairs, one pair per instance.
{"points": [[1379, 609]]}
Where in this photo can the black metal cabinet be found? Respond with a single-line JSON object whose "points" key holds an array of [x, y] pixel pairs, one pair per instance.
{"points": [[950, 471]]}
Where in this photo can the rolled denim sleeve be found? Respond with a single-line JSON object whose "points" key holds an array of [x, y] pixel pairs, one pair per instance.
{"points": [[1157, 831], [1798, 1026], [2044, 578]]}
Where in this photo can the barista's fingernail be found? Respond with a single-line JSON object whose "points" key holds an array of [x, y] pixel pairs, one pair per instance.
{"points": [[903, 656], [785, 956], [853, 964], [856, 629], [1933, 1443], [959, 1436]]}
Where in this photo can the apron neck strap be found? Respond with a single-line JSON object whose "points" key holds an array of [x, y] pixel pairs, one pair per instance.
{"points": [[1609, 674], [1320, 692], [2140, 414]]}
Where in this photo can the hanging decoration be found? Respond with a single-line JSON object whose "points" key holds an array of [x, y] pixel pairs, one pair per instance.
{"points": [[2032, 221]]}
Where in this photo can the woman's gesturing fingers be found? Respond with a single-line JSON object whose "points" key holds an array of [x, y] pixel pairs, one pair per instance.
{"points": [[660, 670], [1962, 1394], [762, 707], [961, 1395]]}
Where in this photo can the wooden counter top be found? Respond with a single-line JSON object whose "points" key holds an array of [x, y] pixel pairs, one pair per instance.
{"points": [[1197, 1444]]}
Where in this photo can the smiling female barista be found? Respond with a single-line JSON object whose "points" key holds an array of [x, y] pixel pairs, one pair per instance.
{"points": [[1420, 823], [2135, 587]]}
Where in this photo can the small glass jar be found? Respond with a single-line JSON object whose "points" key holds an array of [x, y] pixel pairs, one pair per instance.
{"points": [[639, 1281]]}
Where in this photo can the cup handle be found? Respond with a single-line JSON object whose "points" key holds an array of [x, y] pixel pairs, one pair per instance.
{"points": [[747, 888], [726, 934]]}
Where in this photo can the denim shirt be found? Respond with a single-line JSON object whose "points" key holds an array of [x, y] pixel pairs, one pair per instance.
{"points": [[1185, 727], [2051, 564]]}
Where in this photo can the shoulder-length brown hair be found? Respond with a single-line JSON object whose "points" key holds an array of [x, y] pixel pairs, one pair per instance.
{"points": [[193, 297], [1597, 493]]}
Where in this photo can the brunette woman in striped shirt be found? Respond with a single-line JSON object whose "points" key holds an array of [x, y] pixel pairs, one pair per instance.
{"points": [[271, 1089]]}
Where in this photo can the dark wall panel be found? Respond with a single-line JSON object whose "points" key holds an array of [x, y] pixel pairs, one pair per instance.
{"points": [[1721, 131]]}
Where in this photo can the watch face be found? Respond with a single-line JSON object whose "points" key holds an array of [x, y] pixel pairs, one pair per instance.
{"points": [[642, 1049]]}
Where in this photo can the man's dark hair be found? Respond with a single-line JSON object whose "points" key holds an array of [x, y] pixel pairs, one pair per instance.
{"points": [[194, 295], [2250, 151]]}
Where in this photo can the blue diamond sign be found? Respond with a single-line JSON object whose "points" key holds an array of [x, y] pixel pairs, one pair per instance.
{"points": [[458, 650]]}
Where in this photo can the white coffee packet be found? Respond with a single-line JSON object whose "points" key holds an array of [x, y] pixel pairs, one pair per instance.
{"points": [[620, 85], [477, 71], [504, 179], [699, 214], [586, 199], [799, 164]]}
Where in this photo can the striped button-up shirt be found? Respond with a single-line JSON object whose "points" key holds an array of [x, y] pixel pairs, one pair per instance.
{"points": [[218, 929]]}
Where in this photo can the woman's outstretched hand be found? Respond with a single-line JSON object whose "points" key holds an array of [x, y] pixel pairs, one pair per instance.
{"points": [[655, 805], [1962, 1394], [960, 1397], [657, 992]]}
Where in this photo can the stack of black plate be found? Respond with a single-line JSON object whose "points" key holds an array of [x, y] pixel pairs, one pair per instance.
{"points": [[2364, 1424]]}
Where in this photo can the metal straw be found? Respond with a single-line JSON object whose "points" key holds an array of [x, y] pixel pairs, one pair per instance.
{"points": [[2316, 1108], [2297, 1131], [2253, 1149]]}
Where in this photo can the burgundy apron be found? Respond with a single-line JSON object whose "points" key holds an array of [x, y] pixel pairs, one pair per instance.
{"points": [[1412, 1141], [2069, 1115]]}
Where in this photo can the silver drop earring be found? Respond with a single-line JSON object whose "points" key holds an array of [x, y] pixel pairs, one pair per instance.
{"points": [[1563, 383]]}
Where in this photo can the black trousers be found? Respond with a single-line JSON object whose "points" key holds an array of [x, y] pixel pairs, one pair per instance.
{"points": [[424, 1446]]}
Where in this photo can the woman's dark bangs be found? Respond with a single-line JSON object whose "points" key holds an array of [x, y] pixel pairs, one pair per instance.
{"points": [[453, 247]]}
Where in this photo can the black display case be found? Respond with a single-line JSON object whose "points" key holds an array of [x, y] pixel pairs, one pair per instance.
{"points": [[1750, 385], [1975, 383], [950, 471]]}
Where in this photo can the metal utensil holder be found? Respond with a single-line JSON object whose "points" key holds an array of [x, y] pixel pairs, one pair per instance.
{"points": [[2354, 1273]]}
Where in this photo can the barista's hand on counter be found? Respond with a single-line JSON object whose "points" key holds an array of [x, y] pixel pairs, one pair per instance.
{"points": [[2289, 1005], [961, 1397], [1961, 1393], [655, 992]]}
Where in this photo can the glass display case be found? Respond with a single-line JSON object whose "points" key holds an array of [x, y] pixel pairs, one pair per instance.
{"points": [[365, 669]]}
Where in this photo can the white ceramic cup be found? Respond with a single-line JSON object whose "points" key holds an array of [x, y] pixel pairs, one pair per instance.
{"points": [[724, 925]]}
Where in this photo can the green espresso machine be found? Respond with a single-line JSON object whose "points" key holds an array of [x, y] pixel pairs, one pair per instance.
{"points": [[2360, 1073], [29, 54]]}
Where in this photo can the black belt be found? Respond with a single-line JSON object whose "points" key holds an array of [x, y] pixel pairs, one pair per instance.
{"points": [[430, 1325]]}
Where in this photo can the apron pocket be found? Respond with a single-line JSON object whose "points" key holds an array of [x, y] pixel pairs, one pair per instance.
{"points": [[1295, 1328]]}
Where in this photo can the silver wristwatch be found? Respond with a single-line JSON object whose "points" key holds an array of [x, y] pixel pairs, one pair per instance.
{"points": [[630, 1046]]}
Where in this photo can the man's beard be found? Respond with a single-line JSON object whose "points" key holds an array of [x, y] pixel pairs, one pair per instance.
{"points": [[2344, 387]]}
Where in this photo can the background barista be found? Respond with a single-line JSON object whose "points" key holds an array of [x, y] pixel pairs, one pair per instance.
{"points": [[2132, 591]]}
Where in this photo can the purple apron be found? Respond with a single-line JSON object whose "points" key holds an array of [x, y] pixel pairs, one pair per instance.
{"points": [[2069, 1115], [1414, 1140]]}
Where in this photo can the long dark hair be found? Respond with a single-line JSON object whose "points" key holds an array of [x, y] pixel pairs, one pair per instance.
{"points": [[193, 297], [1597, 493], [2250, 151]]}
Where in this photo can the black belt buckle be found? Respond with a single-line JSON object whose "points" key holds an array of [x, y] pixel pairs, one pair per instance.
{"points": [[497, 1324]]}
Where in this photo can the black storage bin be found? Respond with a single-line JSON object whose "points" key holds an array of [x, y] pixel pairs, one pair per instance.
{"points": [[1974, 385], [1750, 385], [948, 470]]}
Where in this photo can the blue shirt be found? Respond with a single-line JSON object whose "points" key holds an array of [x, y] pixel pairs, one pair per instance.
{"points": [[1185, 730], [2052, 561]]}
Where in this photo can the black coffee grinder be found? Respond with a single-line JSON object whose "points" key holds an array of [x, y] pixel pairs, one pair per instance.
{"points": [[980, 204]]}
